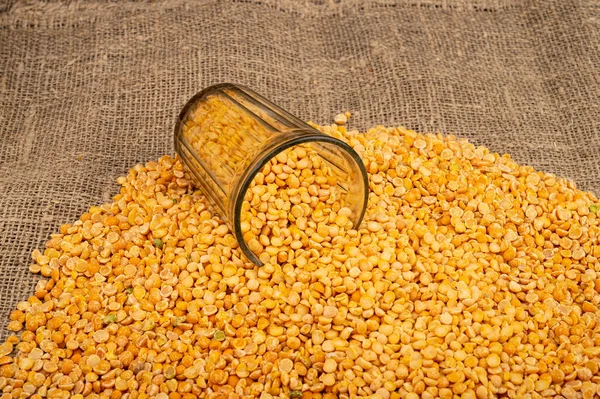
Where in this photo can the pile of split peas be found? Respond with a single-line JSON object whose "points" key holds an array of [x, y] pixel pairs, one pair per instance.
{"points": [[469, 277]]}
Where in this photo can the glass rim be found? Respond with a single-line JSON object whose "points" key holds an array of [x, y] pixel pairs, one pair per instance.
{"points": [[261, 161]]}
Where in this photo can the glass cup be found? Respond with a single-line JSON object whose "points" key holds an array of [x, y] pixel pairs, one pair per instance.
{"points": [[226, 133]]}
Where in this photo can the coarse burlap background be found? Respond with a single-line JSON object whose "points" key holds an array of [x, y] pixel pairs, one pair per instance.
{"points": [[89, 88]]}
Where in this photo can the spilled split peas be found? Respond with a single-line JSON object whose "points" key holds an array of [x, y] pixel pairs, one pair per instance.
{"points": [[470, 277]]}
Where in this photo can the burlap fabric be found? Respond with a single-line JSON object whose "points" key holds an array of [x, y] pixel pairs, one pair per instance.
{"points": [[88, 89]]}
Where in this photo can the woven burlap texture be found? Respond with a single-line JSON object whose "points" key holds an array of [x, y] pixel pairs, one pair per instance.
{"points": [[89, 89]]}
